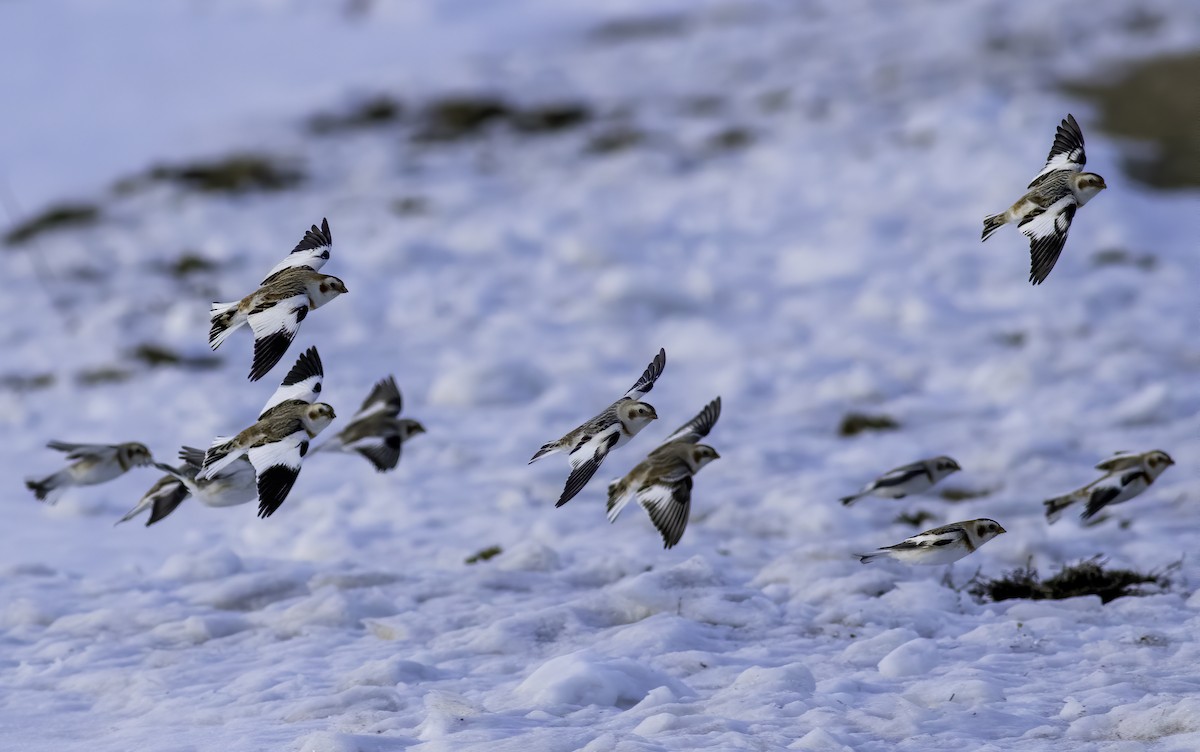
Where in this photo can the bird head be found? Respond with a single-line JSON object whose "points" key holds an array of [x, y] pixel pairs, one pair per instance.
{"points": [[317, 417], [136, 454], [702, 454]]}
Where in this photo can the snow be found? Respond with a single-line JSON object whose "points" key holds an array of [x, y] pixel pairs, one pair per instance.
{"points": [[830, 264]]}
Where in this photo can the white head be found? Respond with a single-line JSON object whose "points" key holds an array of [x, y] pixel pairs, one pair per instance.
{"points": [[317, 417], [982, 530], [1085, 185], [942, 466], [700, 455], [325, 289], [636, 415], [1157, 461]]}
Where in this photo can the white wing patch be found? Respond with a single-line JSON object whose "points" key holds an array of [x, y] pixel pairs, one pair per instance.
{"points": [[1067, 152], [312, 251], [274, 328], [303, 382]]}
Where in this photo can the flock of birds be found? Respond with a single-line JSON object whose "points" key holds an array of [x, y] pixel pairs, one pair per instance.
{"points": [[263, 461]]}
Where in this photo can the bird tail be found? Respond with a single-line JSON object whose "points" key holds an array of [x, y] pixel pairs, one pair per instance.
{"points": [[142, 506], [1055, 507], [864, 558], [548, 448], [225, 321], [618, 498], [848, 500], [219, 456], [993, 223], [49, 488]]}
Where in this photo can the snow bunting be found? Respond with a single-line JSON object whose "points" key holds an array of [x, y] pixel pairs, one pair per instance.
{"points": [[941, 545], [662, 483], [93, 464], [162, 498], [278, 441], [232, 486], [589, 444], [909, 479], [1125, 476], [274, 311], [1044, 214], [375, 431]]}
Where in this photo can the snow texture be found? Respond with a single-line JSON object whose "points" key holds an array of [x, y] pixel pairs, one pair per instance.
{"points": [[786, 196]]}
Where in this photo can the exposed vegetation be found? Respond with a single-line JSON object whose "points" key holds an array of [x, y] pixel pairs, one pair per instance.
{"points": [[237, 173], [855, 423], [1088, 577], [370, 113], [57, 217], [488, 553], [157, 356]]}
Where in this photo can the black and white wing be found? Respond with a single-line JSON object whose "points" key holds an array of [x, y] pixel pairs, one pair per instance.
{"points": [[161, 499], [947, 535], [1066, 153], [192, 457], [105, 452], [274, 329], [1047, 233], [698, 427], [312, 251], [276, 466], [302, 383], [901, 476], [384, 399], [585, 460], [668, 502], [649, 376], [1121, 461], [383, 452]]}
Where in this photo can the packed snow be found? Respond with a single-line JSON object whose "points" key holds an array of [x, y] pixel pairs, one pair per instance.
{"points": [[787, 197]]}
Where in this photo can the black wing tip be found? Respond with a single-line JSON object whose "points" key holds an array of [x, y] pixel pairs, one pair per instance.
{"points": [[385, 392], [274, 485], [307, 366], [315, 237], [268, 351]]}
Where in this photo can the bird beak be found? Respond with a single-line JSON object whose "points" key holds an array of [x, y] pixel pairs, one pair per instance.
{"points": [[1002, 530]]}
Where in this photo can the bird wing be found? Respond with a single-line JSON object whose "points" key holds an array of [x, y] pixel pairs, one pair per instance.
{"points": [[668, 503], [1120, 461], [1047, 232], [643, 385], [276, 466], [1067, 152], [901, 475], [382, 452], [586, 460], [302, 383], [698, 427], [274, 328], [312, 251], [80, 451], [383, 399], [940, 536], [191, 456]]}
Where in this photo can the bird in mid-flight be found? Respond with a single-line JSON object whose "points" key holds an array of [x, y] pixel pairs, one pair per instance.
{"points": [[1125, 476], [274, 311], [941, 545], [589, 444], [662, 483], [91, 464], [909, 479], [1045, 212], [376, 431], [278, 441]]}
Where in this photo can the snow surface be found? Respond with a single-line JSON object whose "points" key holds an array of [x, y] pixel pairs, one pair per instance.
{"points": [[832, 264]]}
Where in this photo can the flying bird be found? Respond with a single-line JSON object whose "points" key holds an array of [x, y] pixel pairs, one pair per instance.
{"points": [[274, 311], [278, 441], [909, 479], [232, 486], [376, 431], [941, 545], [91, 464], [662, 483], [1125, 476], [590, 443], [1045, 212]]}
